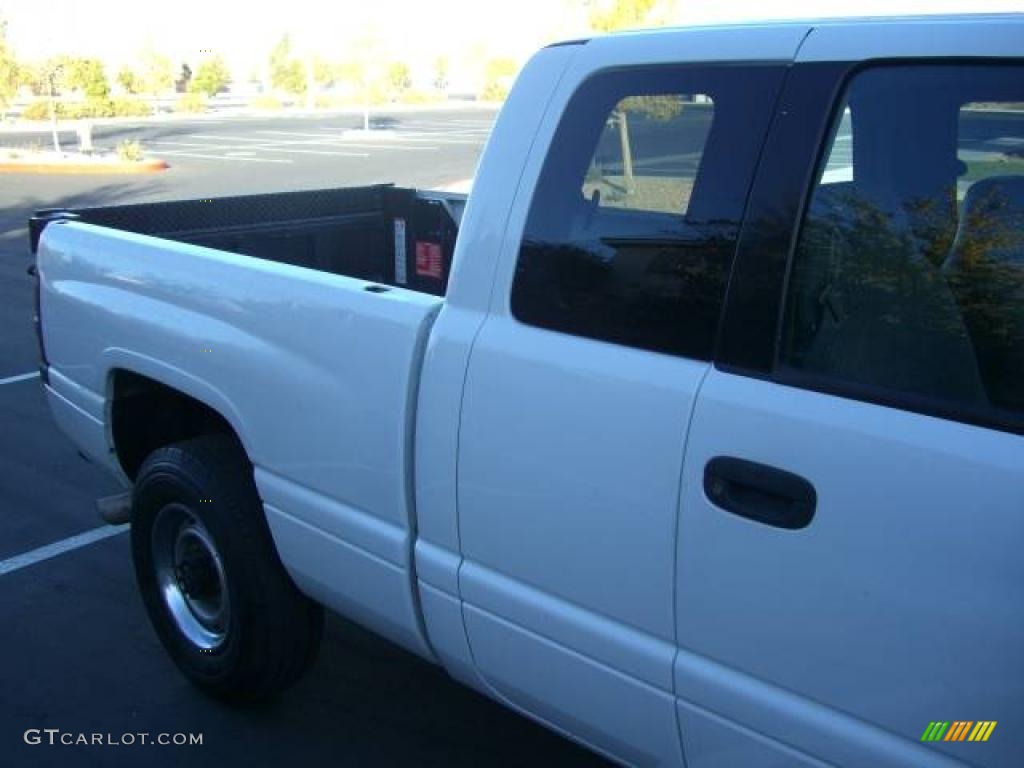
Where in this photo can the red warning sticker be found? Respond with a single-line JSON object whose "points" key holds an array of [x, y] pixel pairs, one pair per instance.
{"points": [[428, 259]]}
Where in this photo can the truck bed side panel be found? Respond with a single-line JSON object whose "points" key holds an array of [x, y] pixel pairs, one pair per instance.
{"points": [[316, 374]]}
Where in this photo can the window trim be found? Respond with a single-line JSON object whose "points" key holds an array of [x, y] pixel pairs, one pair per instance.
{"points": [[751, 312], [757, 292]]}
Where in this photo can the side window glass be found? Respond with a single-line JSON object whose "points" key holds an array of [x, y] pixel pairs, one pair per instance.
{"points": [[908, 275], [633, 224]]}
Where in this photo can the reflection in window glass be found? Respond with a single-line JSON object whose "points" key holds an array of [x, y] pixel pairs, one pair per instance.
{"points": [[839, 165], [649, 152], [909, 274], [990, 141]]}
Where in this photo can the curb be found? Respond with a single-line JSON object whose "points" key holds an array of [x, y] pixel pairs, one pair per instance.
{"points": [[146, 166]]}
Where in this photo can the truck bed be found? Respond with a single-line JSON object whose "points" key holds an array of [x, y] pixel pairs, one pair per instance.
{"points": [[299, 317], [384, 234]]}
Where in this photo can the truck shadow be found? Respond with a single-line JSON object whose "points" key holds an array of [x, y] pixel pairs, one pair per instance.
{"points": [[88, 661]]}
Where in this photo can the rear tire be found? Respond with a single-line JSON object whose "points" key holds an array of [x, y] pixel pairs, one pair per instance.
{"points": [[216, 592]]}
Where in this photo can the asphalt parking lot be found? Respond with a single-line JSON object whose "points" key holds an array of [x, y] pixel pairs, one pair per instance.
{"points": [[77, 650]]}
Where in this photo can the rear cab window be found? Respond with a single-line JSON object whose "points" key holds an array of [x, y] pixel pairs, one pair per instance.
{"points": [[633, 224]]}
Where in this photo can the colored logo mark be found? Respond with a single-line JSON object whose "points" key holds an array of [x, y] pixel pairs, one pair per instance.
{"points": [[959, 730]]}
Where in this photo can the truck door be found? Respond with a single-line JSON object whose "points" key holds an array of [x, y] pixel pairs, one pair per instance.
{"points": [[849, 545], [579, 393]]}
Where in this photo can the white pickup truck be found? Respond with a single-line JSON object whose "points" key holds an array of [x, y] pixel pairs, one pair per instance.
{"points": [[701, 444]]}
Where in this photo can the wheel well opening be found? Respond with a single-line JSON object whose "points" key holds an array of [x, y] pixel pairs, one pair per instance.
{"points": [[147, 415]]}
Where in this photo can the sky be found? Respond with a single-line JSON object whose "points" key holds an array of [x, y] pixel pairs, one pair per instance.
{"points": [[243, 32]]}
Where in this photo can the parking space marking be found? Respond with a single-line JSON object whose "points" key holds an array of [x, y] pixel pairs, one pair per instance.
{"points": [[50, 551], [478, 127], [397, 142], [222, 157], [330, 136], [272, 145], [391, 147], [349, 143], [245, 151], [393, 141], [20, 377], [325, 143], [221, 138], [297, 151], [201, 144]]}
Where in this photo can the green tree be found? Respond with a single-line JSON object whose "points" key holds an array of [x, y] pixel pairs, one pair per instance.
{"points": [[286, 71], [621, 14], [662, 107], [324, 72], [10, 75], [157, 73], [399, 77], [498, 76], [441, 73], [211, 77], [88, 76], [44, 78], [128, 79], [32, 75]]}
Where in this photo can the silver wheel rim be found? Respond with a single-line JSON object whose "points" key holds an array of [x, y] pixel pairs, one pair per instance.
{"points": [[190, 576]]}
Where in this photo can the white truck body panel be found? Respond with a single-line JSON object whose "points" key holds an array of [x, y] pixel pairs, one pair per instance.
{"points": [[316, 375]]}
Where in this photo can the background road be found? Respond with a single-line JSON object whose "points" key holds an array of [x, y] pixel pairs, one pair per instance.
{"points": [[76, 650]]}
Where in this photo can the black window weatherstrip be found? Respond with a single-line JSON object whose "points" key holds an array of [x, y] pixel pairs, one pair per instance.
{"points": [[753, 304]]}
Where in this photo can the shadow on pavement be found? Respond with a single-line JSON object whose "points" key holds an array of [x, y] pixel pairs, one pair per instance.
{"points": [[80, 656]]}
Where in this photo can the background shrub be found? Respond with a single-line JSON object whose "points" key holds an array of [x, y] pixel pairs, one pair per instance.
{"points": [[37, 110], [129, 151], [266, 101], [191, 102], [415, 96], [131, 108]]}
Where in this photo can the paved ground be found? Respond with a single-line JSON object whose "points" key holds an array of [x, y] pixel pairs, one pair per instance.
{"points": [[76, 650]]}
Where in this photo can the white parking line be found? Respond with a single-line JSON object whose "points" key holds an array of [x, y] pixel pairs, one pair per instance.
{"points": [[270, 148], [222, 138], [321, 140], [270, 145], [391, 147], [201, 144], [451, 138], [334, 135], [222, 157], [20, 377], [49, 551], [286, 146], [461, 125], [334, 143], [394, 141]]}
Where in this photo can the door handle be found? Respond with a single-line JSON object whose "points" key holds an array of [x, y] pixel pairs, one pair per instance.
{"points": [[760, 492]]}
